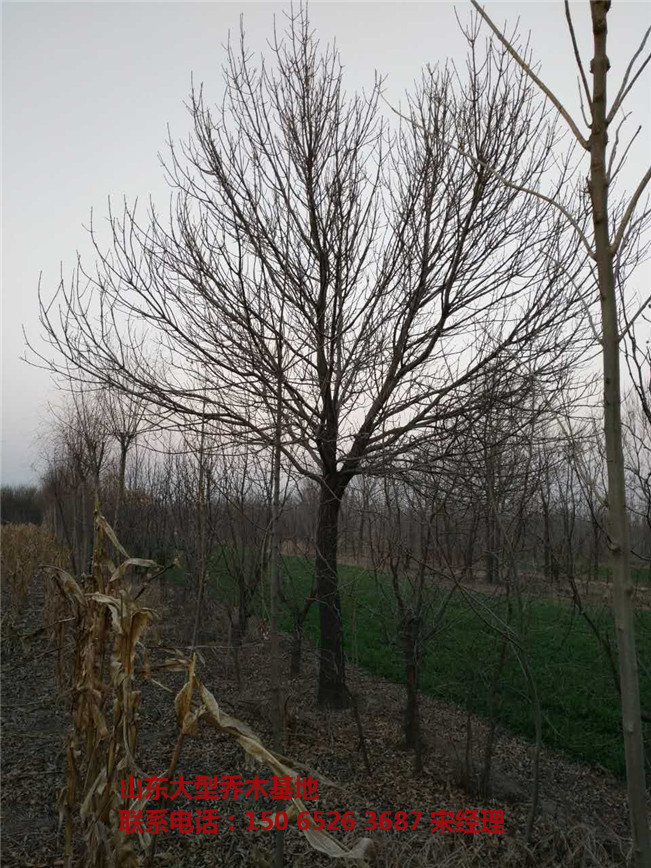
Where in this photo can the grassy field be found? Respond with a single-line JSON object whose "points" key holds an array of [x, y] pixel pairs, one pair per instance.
{"points": [[579, 704]]}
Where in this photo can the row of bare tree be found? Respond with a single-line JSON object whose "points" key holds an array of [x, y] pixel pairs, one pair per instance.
{"points": [[521, 508], [541, 486]]}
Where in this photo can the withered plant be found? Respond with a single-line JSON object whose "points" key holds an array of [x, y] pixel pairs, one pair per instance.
{"points": [[104, 636], [23, 548]]}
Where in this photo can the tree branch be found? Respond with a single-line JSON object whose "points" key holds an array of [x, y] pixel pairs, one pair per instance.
{"points": [[624, 90], [629, 212], [577, 56], [532, 75], [518, 187]]}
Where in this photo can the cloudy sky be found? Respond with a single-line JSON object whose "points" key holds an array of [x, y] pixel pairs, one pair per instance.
{"points": [[89, 88]]}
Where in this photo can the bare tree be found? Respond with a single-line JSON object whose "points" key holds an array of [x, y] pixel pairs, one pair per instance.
{"points": [[615, 229], [124, 416], [77, 444], [405, 556], [637, 453], [398, 273]]}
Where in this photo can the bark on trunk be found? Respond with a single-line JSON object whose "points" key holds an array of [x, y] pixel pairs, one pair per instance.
{"points": [[595, 553], [489, 747], [412, 723], [492, 558], [332, 672], [237, 633], [413, 739], [617, 510], [547, 543], [122, 472], [297, 650]]}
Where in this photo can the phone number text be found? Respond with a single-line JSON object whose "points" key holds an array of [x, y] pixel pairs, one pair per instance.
{"points": [[208, 821]]}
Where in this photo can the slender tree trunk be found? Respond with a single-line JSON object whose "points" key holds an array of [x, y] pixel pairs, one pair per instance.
{"points": [[201, 535], [235, 641], [332, 673], [489, 748], [547, 543], [492, 557], [412, 710], [274, 565], [298, 631], [470, 547], [122, 471], [595, 544], [297, 648], [412, 723], [617, 511], [82, 529]]}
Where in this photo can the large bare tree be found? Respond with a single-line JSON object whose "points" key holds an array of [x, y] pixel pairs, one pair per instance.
{"points": [[334, 279]]}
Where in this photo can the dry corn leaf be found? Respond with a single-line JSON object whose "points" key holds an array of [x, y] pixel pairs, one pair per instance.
{"points": [[114, 607], [96, 788], [252, 745], [131, 562], [190, 721], [69, 585], [100, 723], [140, 620], [174, 664], [108, 530], [183, 698]]}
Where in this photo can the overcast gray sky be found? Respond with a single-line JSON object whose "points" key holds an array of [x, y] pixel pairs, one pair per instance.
{"points": [[88, 89]]}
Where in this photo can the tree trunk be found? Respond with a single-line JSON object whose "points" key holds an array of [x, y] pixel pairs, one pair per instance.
{"points": [[122, 471], [617, 511], [492, 558], [332, 673], [470, 547], [237, 633], [412, 710], [277, 704], [595, 553], [547, 543], [297, 649], [201, 531], [67, 536], [412, 723], [489, 747]]}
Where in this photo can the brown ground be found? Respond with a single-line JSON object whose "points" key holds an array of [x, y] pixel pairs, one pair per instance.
{"points": [[583, 821]]}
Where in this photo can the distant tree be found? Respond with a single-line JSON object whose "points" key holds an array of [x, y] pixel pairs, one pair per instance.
{"points": [[21, 504], [125, 421], [76, 446], [406, 557]]}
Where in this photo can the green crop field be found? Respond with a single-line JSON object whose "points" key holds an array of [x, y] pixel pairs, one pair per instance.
{"points": [[580, 707]]}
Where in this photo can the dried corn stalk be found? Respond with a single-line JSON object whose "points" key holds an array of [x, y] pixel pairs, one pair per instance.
{"points": [[105, 629], [23, 547], [107, 621]]}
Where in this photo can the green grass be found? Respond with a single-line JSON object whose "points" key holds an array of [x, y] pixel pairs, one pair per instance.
{"points": [[580, 706]]}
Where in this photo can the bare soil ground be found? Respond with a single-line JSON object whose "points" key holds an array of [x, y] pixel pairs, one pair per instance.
{"points": [[583, 820]]}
